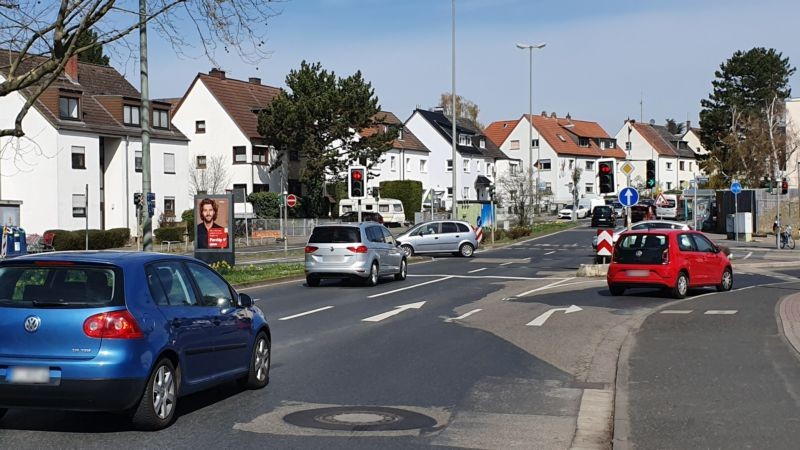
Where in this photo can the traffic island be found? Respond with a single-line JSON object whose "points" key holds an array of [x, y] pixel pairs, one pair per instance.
{"points": [[592, 270]]}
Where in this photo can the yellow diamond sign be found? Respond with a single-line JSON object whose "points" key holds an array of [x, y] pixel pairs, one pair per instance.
{"points": [[626, 168]]}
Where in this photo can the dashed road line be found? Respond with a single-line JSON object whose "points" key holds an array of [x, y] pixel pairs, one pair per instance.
{"points": [[477, 270], [676, 311], [487, 277], [505, 263], [749, 254], [463, 316], [306, 313], [549, 253], [447, 277], [720, 312]]}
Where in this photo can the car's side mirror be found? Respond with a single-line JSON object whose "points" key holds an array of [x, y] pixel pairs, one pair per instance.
{"points": [[245, 301]]}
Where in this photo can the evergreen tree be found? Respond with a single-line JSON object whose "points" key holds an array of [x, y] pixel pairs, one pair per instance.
{"points": [[93, 55], [320, 118], [674, 126], [749, 90]]}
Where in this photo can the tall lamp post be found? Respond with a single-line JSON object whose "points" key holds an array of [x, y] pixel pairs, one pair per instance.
{"points": [[530, 48], [454, 136]]}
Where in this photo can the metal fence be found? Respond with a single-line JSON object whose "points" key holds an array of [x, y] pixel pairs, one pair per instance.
{"points": [[294, 227]]}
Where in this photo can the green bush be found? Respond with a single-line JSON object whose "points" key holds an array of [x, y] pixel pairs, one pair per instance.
{"points": [[169, 234], [98, 239], [518, 232], [120, 236], [407, 191], [499, 234], [266, 205], [188, 218]]}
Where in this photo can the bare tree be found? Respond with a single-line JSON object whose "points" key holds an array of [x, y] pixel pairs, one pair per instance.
{"points": [[515, 192], [464, 107], [214, 178], [37, 37]]}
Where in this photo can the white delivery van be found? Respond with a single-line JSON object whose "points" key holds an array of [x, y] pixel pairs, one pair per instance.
{"points": [[389, 208], [588, 204], [672, 208]]}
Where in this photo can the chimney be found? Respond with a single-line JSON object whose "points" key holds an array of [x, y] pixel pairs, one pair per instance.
{"points": [[71, 69], [569, 117], [253, 80], [217, 73], [544, 113], [652, 121], [553, 115], [688, 125]]}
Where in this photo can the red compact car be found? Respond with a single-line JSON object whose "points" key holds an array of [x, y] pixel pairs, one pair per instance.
{"points": [[669, 259]]}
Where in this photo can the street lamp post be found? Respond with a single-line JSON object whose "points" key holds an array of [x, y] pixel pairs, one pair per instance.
{"points": [[530, 48], [454, 136]]}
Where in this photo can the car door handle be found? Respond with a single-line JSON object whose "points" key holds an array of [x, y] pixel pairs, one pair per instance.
{"points": [[458, 236], [436, 238], [176, 323]]}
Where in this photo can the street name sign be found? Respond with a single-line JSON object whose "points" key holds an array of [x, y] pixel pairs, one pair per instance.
{"points": [[628, 196]]}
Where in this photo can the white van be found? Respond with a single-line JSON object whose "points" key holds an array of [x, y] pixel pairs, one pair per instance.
{"points": [[390, 209], [672, 208], [588, 204]]}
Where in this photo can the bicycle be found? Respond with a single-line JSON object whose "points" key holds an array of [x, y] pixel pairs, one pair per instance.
{"points": [[786, 237]]}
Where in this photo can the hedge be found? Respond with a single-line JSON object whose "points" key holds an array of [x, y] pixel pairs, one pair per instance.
{"points": [[169, 234], [266, 205], [407, 191], [98, 239]]}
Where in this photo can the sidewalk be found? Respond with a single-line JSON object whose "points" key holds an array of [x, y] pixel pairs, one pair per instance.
{"points": [[758, 243]]}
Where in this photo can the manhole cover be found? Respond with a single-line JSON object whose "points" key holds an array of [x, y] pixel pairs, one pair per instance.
{"points": [[360, 418]]}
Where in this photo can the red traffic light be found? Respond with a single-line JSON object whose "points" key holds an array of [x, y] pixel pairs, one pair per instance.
{"points": [[605, 168], [356, 174]]}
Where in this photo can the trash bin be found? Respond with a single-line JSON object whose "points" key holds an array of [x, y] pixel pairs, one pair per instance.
{"points": [[729, 221], [13, 242]]}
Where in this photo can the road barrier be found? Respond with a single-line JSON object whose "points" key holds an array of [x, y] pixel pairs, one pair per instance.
{"points": [[605, 244]]}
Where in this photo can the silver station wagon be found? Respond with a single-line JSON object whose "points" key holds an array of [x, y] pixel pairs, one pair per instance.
{"points": [[364, 251], [444, 236]]}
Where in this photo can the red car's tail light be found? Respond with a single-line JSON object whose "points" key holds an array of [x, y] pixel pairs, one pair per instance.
{"points": [[359, 249], [311, 249], [665, 256], [112, 325]]}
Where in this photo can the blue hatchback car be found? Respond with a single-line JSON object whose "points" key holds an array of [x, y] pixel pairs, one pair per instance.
{"points": [[119, 331]]}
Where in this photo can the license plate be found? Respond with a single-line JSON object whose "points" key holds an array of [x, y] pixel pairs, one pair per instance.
{"points": [[638, 273], [333, 258], [30, 375]]}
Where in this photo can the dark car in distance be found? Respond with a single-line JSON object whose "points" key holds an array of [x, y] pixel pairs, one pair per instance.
{"points": [[352, 216], [604, 215]]}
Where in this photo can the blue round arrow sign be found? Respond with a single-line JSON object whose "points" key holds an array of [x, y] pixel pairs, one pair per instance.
{"points": [[736, 188], [628, 196]]}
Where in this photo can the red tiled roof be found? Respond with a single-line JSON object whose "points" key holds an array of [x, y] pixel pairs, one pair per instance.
{"points": [[241, 100], [409, 141], [498, 132], [562, 134]]}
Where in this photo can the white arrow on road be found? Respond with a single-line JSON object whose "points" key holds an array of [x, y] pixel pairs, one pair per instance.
{"points": [[397, 310], [539, 321]]}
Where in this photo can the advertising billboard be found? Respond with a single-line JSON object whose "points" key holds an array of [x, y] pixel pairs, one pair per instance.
{"points": [[214, 236]]}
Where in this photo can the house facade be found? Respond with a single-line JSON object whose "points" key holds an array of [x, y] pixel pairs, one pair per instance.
{"points": [[219, 115], [82, 136], [558, 146], [477, 156], [676, 163]]}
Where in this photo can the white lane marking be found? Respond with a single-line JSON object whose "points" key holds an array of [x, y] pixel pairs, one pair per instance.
{"points": [[676, 311], [475, 277], [477, 270], [463, 316], [549, 253], [397, 310], [539, 321], [306, 313], [266, 285], [505, 263], [721, 311], [410, 287], [547, 286], [749, 254]]}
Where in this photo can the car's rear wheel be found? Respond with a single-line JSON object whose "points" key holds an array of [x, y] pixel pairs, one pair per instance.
{"points": [[372, 279], [616, 290], [726, 283], [260, 361], [681, 286], [466, 250], [156, 409], [312, 281], [407, 249], [400, 276]]}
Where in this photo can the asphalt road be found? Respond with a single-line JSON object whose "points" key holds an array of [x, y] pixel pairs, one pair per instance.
{"points": [[484, 357]]}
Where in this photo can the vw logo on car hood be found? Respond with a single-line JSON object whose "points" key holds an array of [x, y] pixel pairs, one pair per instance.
{"points": [[32, 324], [638, 253]]}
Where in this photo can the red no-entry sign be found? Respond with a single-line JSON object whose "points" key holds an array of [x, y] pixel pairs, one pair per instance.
{"points": [[291, 200]]}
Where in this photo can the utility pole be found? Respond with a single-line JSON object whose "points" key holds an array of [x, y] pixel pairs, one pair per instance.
{"points": [[533, 193], [454, 136], [145, 122]]}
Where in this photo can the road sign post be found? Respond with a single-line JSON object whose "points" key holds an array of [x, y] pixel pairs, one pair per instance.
{"points": [[628, 197], [291, 200], [736, 189]]}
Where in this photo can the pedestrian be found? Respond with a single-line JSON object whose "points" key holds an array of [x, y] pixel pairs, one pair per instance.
{"points": [[650, 214]]}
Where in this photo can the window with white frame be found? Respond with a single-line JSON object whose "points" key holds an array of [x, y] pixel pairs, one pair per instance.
{"points": [[465, 164], [464, 139], [78, 157], [78, 205], [669, 166], [669, 185], [483, 142], [545, 165], [260, 154], [583, 142], [488, 168], [201, 161], [169, 206], [589, 165], [589, 188], [477, 167], [535, 143], [131, 115], [514, 144], [408, 165], [161, 119], [393, 163], [239, 154], [423, 165], [169, 163], [449, 165], [512, 169], [450, 191], [682, 165], [137, 160]]}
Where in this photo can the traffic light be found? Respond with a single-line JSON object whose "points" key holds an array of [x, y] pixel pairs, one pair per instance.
{"points": [[137, 199], [784, 187], [768, 185], [151, 204], [606, 173], [356, 182], [651, 173]]}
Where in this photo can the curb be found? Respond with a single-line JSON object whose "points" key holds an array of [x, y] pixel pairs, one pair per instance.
{"points": [[788, 310], [592, 270], [766, 265]]}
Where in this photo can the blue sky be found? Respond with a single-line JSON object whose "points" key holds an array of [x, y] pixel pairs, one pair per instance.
{"points": [[601, 56]]}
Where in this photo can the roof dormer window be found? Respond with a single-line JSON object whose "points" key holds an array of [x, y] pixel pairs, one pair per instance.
{"points": [[464, 139], [68, 108], [161, 119], [131, 115], [583, 142], [483, 142]]}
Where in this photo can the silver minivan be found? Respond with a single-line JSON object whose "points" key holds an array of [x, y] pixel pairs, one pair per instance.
{"points": [[441, 236], [363, 251]]}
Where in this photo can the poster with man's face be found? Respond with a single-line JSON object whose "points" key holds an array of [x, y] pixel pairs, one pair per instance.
{"points": [[213, 223]]}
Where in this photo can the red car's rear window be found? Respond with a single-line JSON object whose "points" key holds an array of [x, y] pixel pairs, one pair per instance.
{"points": [[641, 248]]}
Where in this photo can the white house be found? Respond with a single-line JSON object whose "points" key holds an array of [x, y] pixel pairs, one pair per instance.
{"points": [[219, 115], [676, 163], [559, 145], [84, 132], [475, 164], [793, 141], [692, 138]]}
